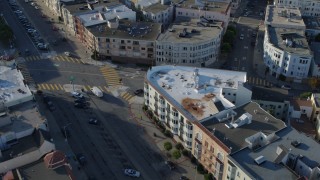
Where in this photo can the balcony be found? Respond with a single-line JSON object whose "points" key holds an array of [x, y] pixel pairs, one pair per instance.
{"points": [[156, 98], [168, 110]]}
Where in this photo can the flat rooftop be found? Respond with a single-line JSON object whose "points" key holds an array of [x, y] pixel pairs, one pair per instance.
{"points": [[308, 148], [144, 3], [315, 48], [221, 7], [312, 22], [84, 7], [128, 30], [235, 137], [282, 37], [269, 94], [284, 16], [194, 34], [38, 170], [156, 8], [12, 88], [198, 96], [21, 118]]}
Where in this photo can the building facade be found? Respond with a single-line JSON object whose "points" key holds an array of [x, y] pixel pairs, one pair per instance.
{"points": [[189, 46], [286, 51], [124, 41], [307, 7], [171, 99], [159, 13], [215, 11]]}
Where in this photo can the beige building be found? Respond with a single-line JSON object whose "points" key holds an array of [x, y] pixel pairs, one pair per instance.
{"points": [[230, 131], [124, 41]]}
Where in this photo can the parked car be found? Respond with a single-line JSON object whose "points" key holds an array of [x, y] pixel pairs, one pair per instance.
{"points": [[77, 95], [65, 132], [138, 91], [170, 164], [36, 7], [286, 87], [80, 101], [81, 105], [241, 36], [81, 159], [51, 106], [132, 173], [93, 121], [184, 178], [67, 53]]}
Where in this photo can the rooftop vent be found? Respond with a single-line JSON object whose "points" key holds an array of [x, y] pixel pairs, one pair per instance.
{"points": [[259, 160], [295, 143]]}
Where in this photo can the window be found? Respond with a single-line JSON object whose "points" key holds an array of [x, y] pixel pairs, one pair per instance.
{"points": [[238, 174]]}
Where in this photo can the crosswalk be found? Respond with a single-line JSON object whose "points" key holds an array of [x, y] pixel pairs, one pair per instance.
{"points": [[56, 58], [111, 76], [59, 87], [26, 75], [258, 81], [126, 96]]}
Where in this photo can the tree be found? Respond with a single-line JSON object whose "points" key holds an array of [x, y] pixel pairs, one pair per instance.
{"points": [[317, 38], [229, 37], [208, 176], [179, 146], [233, 29], [305, 95], [314, 82], [200, 169], [176, 154], [95, 55], [226, 47], [6, 32], [186, 153], [167, 146]]}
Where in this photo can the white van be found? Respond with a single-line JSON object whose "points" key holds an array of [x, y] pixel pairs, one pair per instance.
{"points": [[96, 91]]}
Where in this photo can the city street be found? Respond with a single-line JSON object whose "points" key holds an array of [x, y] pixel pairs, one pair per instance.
{"points": [[117, 142]]}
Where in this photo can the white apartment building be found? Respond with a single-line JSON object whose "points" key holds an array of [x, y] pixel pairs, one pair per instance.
{"points": [[286, 51], [189, 45], [159, 13], [216, 11], [234, 3], [307, 7], [180, 95]]}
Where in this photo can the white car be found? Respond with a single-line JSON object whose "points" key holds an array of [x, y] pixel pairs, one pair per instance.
{"points": [[287, 87], [132, 173], [37, 7], [77, 95], [241, 36], [67, 53]]}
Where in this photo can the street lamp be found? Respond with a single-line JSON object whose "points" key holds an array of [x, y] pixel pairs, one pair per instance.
{"points": [[65, 131]]}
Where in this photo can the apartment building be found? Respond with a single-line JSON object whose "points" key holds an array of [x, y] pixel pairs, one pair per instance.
{"points": [[228, 132], [272, 100], [299, 116], [307, 7], [315, 63], [234, 3], [286, 51], [159, 13], [215, 11], [181, 95], [284, 157], [186, 43], [124, 41], [79, 16]]}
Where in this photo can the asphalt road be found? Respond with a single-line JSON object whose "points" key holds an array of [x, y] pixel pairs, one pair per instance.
{"points": [[118, 142]]}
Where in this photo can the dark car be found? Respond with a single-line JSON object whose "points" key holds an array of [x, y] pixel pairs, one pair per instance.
{"points": [[80, 101], [81, 105], [81, 159], [138, 91], [93, 121], [46, 98], [65, 132], [171, 165], [51, 106]]}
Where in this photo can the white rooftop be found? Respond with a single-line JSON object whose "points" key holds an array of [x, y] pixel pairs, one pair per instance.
{"points": [[12, 89], [198, 91], [144, 3], [107, 13]]}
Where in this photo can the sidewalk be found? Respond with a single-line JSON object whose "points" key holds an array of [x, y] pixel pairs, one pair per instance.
{"points": [[137, 114]]}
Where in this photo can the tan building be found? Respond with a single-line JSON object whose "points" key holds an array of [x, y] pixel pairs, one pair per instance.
{"points": [[230, 131], [124, 41]]}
